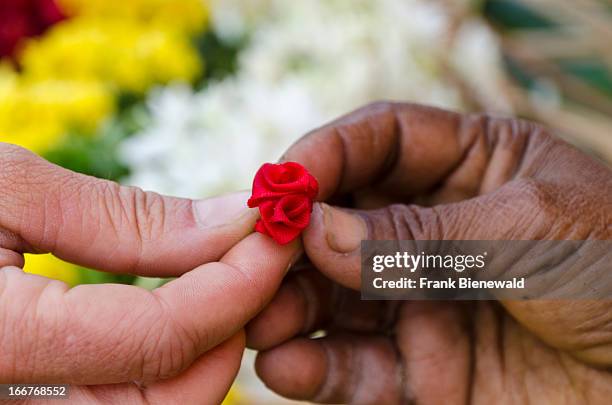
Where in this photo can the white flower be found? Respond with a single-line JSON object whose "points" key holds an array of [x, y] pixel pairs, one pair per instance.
{"points": [[203, 145], [306, 63]]}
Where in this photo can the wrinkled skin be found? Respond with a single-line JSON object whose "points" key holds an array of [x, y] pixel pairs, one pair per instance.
{"points": [[181, 343], [408, 171]]}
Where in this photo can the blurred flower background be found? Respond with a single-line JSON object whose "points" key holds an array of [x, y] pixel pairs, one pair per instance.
{"points": [[189, 97]]}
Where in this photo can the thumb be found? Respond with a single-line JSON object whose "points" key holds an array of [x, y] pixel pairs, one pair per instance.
{"points": [[100, 224], [333, 239]]}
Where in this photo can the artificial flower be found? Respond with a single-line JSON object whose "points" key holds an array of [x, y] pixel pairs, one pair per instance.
{"points": [[273, 181], [284, 193]]}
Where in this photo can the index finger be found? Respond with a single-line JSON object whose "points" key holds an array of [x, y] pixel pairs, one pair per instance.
{"points": [[401, 148]]}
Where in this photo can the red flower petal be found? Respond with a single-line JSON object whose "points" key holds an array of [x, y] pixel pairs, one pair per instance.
{"points": [[277, 180], [284, 194], [293, 209]]}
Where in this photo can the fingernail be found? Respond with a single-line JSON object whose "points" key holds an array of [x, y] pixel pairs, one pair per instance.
{"points": [[222, 210], [345, 231]]}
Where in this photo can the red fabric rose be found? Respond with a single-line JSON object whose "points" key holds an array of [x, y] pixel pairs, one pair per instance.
{"points": [[20, 19], [284, 193]]}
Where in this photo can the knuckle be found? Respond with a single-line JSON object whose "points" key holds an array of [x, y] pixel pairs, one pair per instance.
{"points": [[146, 211], [497, 126], [165, 353], [132, 211], [110, 205], [410, 222], [168, 348], [519, 136]]}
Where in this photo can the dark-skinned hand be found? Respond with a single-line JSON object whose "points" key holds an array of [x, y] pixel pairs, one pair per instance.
{"points": [[412, 172]]}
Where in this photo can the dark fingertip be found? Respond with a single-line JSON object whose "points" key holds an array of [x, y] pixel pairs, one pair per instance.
{"points": [[344, 231], [296, 370]]}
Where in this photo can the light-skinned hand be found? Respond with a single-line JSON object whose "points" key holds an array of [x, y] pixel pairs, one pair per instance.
{"points": [[181, 343]]}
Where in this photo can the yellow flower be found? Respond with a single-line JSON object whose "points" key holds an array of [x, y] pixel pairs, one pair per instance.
{"points": [[50, 266], [185, 15], [70, 76], [233, 397], [123, 54], [36, 114]]}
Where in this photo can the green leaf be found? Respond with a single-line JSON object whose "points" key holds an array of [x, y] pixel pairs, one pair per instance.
{"points": [[594, 72], [220, 57], [89, 276], [513, 15]]}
